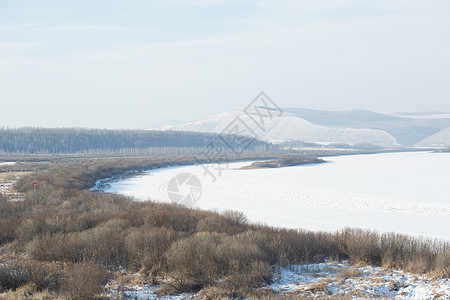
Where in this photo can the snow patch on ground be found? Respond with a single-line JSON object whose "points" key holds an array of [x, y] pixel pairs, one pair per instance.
{"points": [[5, 187], [326, 279], [341, 279], [142, 292]]}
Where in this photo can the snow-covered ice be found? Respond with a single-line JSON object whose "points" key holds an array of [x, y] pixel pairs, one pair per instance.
{"points": [[401, 192]]}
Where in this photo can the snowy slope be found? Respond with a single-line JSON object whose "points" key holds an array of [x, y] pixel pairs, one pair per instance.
{"points": [[407, 128], [440, 139], [290, 127]]}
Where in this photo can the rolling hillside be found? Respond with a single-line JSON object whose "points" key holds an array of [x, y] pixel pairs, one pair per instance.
{"points": [[440, 139], [299, 126], [407, 128], [290, 127]]}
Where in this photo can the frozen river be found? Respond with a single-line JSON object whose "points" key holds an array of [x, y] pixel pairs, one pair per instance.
{"points": [[401, 192]]}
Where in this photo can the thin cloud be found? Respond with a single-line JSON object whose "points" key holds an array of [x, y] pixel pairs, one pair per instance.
{"points": [[82, 27], [14, 27], [196, 2], [16, 49]]}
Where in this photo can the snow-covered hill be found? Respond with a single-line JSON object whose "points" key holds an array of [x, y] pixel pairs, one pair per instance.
{"points": [[290, 127], [407, 128], [440, 139]]}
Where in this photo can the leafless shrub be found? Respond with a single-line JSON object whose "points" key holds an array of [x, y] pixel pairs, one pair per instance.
{"points": [[58, 248], [206, 258], [360, 246], [3, 200], [180, 219], [40, 277], [13, 277], [443, 263], [28, 229], [8, 227], [235, 217], [411, 254], [84, 281], [243, 282], [103, 245], [191, 261], [146, 246]]}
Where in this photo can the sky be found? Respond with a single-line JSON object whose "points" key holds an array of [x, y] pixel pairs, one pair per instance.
{"points": [[148, 63]]}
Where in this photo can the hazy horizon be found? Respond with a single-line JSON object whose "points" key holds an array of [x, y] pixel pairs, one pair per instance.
{"points": [[164, 123], [143, 64]]}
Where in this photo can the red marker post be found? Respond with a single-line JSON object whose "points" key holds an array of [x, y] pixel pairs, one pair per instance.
{"points": [[35, 186]]}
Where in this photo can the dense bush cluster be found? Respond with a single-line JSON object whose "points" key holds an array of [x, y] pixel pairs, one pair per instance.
{"points": [[72, 238]]}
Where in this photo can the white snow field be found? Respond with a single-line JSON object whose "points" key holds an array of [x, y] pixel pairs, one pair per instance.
{"points": [[7, 163], [401, 192]]}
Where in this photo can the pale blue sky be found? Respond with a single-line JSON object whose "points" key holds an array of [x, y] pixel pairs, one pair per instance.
{"points": [[139, 64]]}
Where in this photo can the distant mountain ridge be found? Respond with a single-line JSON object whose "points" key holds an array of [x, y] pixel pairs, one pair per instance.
{"points": [[290, 127], [407, 130], [351, 127]]}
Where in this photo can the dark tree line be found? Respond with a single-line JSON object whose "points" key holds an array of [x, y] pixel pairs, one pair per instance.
{"points": [[102, 141]]}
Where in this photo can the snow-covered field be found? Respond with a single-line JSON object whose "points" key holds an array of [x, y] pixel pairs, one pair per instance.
{"points": [[401, 192], [7, 163]]}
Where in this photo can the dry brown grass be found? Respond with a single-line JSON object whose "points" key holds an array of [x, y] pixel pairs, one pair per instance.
{"points": [[349, 273], [25, 294], [11, 176], [443, 264], [320, 287]]}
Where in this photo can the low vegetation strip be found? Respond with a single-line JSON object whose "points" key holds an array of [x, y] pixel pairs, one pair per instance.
{"points": [[64, 241], [284, 161]]}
